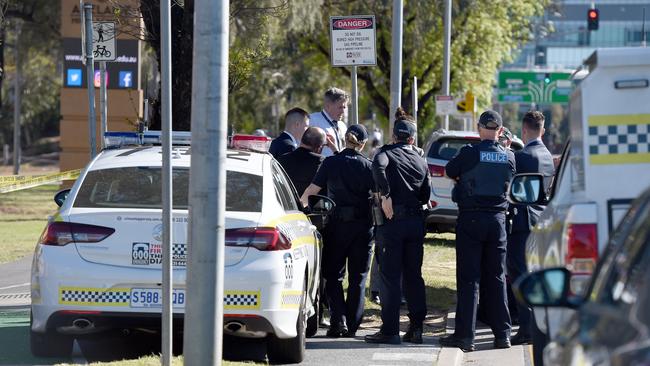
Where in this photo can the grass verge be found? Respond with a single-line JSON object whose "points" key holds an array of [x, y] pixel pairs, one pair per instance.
{"points": [[23, 215]]}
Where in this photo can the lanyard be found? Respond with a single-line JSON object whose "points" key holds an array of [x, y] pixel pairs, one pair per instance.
{"points": [[336, 129]]}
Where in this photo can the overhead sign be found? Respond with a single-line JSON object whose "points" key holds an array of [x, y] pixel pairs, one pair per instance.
{"points": [[542, 87], [353, 40], [104, 41], [445, 105]]}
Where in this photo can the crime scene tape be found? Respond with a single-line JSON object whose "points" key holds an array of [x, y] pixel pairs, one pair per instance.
{"points": [[17, 182]]}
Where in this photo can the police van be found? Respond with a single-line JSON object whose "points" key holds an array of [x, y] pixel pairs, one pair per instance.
{"points": [[603, 168]]}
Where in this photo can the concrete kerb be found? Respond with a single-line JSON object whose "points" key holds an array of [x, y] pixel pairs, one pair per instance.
{"points": [[450, 356]]}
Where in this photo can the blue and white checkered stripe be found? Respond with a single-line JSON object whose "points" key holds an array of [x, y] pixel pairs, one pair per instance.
{"points": [[619, 139]]}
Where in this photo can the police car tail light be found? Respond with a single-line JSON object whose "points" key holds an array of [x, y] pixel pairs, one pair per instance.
{"points": [[261, 238], [62, 233], [582, 253], [436, 170], [250, 142]]}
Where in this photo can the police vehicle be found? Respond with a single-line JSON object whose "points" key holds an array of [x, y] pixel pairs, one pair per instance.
{"points": [[97, 265]]}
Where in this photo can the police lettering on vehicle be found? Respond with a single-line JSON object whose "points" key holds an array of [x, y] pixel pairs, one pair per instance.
{"points": [[494, 157]]}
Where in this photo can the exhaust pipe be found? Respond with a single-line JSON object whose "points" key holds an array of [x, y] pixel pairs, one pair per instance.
{"points": [[81, 323], [234, 326]]}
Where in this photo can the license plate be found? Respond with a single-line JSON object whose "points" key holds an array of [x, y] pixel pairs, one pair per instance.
{"points": [[152, 298]]}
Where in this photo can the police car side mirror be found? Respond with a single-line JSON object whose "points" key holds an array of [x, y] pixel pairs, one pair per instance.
{"points": [[60, 196], [320, 205], [548, 287], [527, 189]]}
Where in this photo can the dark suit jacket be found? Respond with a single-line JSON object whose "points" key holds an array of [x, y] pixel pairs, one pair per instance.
{"points": [[301, 166], [281, 145], [534, 158]]}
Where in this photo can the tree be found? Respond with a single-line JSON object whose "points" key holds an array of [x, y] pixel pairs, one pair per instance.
{"points": [[485, 34]]}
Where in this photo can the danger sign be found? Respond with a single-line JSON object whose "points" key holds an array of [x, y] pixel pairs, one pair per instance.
{"points": [[353, 40]]}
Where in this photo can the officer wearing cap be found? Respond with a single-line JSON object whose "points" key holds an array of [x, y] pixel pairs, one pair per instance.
{"points": [[348, 235], [402, 179], [482, 173]]}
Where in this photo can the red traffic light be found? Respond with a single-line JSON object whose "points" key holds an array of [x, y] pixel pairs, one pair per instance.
{"points": [[593, 14], [592, 19]]}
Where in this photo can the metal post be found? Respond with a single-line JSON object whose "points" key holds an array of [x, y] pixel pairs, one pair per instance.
{"points": [[166, 116], [643, 42], [396, 61], [204, 308], [103, 107], [90, 71], [414, 101], [447, 56], [355, 97], [17, 156]]}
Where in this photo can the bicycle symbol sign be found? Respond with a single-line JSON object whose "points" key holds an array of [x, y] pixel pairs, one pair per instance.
{"points": [[104, 41]]}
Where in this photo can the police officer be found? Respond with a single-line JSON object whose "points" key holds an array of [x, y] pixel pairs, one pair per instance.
{"points": [[402, 179], [482, 173], [348, 235]]}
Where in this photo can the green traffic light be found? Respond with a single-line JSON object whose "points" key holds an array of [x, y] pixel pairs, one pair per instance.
{"points": [[547, 80]]}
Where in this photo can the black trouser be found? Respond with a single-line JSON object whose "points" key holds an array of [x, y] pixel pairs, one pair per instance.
{"points": [[347, 244], [400, 251], [481, 250], [516, 264]]}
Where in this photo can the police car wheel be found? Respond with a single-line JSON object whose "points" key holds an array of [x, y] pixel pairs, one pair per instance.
{"points": [[49, 344], [291, 350], [312, 322]]}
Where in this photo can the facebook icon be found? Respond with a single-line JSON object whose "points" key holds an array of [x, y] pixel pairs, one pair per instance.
{"points": [[126, 79], [74, 77]]}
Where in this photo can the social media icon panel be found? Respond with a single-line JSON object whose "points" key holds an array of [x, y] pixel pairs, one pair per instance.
{"points": [[74, 77], [98, 79], [126, 79]]}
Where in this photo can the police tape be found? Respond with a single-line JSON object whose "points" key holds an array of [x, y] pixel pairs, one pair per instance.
{"points": [[18, 182]]}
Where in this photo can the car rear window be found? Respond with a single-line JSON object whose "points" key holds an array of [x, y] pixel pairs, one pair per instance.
{"points": [[140, 187], [447, 148]]}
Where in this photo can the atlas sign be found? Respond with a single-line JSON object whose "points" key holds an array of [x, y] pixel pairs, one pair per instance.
{"points": [[353, 40]]}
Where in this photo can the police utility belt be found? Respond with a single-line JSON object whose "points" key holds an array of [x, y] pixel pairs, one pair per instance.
{"points": [[402, 211], [349, 213]]}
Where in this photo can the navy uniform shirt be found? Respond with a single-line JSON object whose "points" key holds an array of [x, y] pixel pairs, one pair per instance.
{"points": [[348, 179], [401, 173], [497, 174]]}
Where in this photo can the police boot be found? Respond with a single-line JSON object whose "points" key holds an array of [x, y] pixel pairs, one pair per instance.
{"points": [[413, 335]]}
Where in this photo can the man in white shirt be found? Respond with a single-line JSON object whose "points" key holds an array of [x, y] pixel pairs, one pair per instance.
{"points": [[330, 118]]}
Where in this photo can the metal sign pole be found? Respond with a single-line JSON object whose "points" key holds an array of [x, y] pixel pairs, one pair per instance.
{"points": [[396, 61], [103, 107], [90, 71], [17, 156], [447, 57], [166, 115], [415, 104], [355, 97], [207, 193]]}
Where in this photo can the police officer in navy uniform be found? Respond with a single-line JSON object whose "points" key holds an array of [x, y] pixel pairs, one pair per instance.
{"points": [[482, 174], [533, 158], [348, 235], [402, 179]]}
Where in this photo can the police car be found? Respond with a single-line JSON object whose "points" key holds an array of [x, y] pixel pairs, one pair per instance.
{"points": [[97, 265]]}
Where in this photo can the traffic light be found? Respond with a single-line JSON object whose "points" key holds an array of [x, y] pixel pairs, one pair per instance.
{"points": [[592, 19], [547, 78]]}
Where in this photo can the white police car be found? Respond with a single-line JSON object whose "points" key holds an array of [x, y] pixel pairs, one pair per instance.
{"points": [[97, 265]]}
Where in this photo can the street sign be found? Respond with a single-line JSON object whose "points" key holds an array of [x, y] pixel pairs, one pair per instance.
{"points": [[541, 87], [104, 41], [445, 105], [353, 40]]}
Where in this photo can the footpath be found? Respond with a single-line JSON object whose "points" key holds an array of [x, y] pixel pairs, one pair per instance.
{"points": [[14, 284]]}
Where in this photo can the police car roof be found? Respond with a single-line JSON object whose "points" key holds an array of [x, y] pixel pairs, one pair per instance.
{"points": [[129, 156]]}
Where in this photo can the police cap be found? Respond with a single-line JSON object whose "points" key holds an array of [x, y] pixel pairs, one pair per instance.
{"points": [[490, 120], [404, 129], [359, 131]]}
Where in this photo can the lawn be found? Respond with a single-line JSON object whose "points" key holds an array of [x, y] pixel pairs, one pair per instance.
{"points": [[23, 215]]}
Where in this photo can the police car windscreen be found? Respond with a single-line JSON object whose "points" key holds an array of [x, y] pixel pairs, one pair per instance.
{"points": [[446, 149], [141, 187]]}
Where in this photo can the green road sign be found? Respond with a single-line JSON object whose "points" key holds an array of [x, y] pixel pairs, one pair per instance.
{"points": [[541, 87]]}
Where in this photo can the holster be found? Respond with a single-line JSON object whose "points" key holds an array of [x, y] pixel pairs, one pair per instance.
{"points": [[376, 211]]}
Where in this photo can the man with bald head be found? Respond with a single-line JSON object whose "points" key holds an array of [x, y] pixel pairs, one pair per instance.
{"points": [[301, 164]]}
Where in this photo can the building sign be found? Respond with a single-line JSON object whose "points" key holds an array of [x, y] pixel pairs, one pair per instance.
{"points": [[353, 40], [121, 73], [541, 87]]}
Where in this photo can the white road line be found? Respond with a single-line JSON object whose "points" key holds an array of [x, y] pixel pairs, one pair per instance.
{"points": [[417, 357], [13, 286]]}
